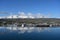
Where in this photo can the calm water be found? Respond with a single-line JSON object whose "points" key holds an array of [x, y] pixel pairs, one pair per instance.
{"points": [[31, 33]]}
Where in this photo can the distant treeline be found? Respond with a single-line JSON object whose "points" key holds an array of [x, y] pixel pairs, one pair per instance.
{"points": [[28, 20]]}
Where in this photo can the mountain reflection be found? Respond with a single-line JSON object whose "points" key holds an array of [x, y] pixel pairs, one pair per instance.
{"points": [[29, 33], [27, 29]]}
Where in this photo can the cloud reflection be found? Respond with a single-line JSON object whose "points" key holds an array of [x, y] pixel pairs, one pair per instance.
{"points": [[26, 29]]}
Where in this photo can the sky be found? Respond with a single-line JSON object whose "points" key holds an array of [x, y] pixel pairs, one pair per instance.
{"points": [[49, 8]]}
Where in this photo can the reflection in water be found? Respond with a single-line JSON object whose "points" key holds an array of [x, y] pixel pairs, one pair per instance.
{"points": [[29, 33], [27, 29]]}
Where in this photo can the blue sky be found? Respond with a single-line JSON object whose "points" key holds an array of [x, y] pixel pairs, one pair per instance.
{"points": [[46, 7]]}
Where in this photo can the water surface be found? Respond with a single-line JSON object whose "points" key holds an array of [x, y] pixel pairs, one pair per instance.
{"points": [[29, 33]]}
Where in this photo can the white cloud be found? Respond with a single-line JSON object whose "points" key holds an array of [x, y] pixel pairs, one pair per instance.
{"points": [[22, 15], [26, 15], [0, 17], [30, 15]]}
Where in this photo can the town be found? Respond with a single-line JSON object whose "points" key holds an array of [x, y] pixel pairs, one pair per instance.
{"points": [[29, 22]]}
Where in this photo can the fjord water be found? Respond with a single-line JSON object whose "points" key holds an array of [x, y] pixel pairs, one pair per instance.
{"points": [[29, 33]]}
